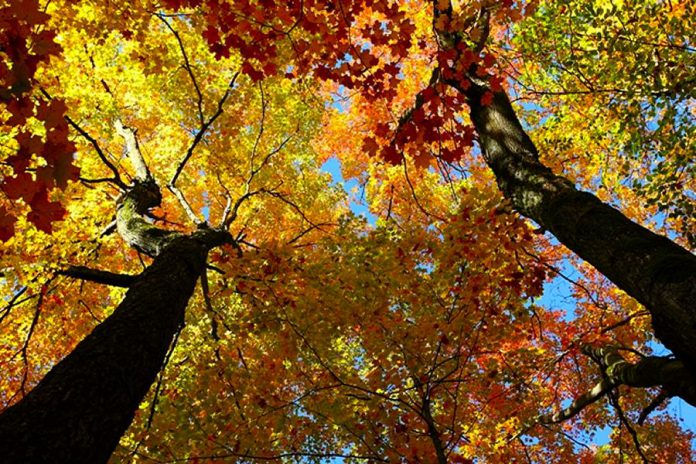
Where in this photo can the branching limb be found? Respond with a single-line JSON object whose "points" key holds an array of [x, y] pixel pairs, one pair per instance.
{"points": [[232, 209], [614, 400], [580, 403], [202, 130], [142, 173], [117, 177], [651, 371], [196, 140], [99, 276], [188, 68], [16, 300]]}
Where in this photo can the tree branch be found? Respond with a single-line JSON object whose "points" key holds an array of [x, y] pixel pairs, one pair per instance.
{"points": [[142, 173], [98, 276], [196, 140]]}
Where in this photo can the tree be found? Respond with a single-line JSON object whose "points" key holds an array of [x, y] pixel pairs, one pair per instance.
{"points": [[318, 335]]}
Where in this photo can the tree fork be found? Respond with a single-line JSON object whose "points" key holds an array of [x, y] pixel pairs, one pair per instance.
{"points": [[82, 407]]}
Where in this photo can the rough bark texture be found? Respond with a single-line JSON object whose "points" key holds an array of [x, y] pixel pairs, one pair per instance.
{"points": [[85, 403], [80, 410], [654, 270]]}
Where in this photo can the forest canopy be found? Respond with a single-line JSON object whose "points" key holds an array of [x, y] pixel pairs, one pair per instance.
{"points": [[347, 231]]}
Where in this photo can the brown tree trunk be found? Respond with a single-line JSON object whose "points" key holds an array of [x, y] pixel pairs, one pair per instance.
{"points": [[654, 270], [82, 407], [79, 411]]}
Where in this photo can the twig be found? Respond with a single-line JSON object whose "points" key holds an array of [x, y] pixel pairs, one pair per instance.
{"points": [[187, 67], [196, 140]]}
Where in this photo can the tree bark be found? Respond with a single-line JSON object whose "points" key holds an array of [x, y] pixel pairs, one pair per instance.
{"points": [[79, 411], [82, 407], [654, 270]]}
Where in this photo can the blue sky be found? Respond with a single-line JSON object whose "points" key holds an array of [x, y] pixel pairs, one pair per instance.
{"points": [[558, 294]]}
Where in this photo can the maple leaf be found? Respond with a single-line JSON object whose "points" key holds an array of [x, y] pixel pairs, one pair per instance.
{"points": [[487, 98], [22, 185], [44, 212], [7, 222]]}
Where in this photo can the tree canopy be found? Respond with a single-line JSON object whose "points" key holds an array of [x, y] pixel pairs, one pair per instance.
{"points": [[497, 148]]}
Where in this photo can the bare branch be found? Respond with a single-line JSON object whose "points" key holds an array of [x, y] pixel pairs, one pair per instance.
{"points": [[15, 301], [261, 128], [202, 130], [614, 399], [196, 140], [650, 371], [580, 403], [98, 276], [654, 404], [142, 173], [117, 178]]}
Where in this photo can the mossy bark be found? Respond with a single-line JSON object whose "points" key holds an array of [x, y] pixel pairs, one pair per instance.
{"points": [[82, 407], [654, 270]]}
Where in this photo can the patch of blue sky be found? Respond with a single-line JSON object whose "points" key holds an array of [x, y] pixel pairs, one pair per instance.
{"points": [[356, 202], [558, 292]]}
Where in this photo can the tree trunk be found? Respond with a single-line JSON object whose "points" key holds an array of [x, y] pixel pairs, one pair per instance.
{"points": [[654, 270], [79, 411]]}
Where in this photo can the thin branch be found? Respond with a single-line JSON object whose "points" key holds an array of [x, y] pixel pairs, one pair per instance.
{"points": [[117, 177], [261, 128], [201, 132], [196, 140], [205, 288], [187, 67], [654, 404], [614, 399], [15, 301], [580, 403]]}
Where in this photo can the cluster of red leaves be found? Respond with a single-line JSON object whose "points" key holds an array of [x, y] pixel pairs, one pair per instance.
{"points": [[365, 58], [326, 46], [430, 129], [25, 43]]}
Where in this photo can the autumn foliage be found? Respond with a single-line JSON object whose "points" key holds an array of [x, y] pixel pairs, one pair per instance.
{"points": [[380, 301]]}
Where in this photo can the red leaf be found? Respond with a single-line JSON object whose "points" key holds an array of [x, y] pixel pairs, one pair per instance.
{"points": [[371, 146], [487, 98], [7, 222], [391, 155], [20, 186], [249, 70], [44, 212]]}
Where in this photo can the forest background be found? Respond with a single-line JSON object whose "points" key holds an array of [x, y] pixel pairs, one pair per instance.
{"points": [[377, 200]]}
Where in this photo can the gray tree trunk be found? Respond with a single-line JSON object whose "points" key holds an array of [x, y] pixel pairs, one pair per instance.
{"points": [[654, 270]]}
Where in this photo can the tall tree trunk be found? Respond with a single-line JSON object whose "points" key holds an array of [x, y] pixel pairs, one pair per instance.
{"points": [[82, 407], [79, 411], [654, 270]]}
